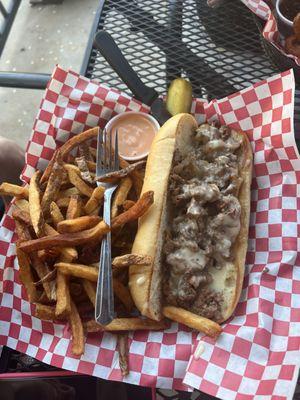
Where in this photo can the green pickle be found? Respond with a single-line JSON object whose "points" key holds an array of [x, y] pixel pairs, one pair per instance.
{"points": [[179, 97]]}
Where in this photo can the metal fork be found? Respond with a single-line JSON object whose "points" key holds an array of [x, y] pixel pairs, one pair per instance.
{"points": [[106, 162]]}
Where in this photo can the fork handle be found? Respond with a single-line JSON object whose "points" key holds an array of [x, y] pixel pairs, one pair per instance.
{"points": [[105, 297]]}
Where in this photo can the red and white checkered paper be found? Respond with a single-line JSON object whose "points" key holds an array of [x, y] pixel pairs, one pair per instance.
{"points": [[258, 353], [265, 10]]}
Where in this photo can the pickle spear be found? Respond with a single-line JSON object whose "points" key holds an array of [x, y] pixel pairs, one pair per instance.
{"points": [[179, 97]]}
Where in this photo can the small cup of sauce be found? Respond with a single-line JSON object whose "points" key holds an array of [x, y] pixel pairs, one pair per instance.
{"points": [[136, 131], [286, 11]]}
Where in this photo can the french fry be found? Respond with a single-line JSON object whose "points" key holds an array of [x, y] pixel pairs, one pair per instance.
{"points": [[42, 271], [90, 290], [76, 180], [36, 213], [74, 207], [77, 140], [63, 303], [25, 274], [84, 151], [49, 254], [136, 211], [77, 331], [8, 189], [53, 185], [84, 170], [122, 347], [123, 294], [95, 200], [128, 204], [22, 231], [22, 216], [96, 233], [78, 270], [130, 259], [47, 278], [48, 170], [68, 192], [67, 147], [43, 299], [121, 173], [93, 152], [63, 202], [126, 324], [44, 312], [120, 196], [78, 224], [91, 166], [22, 204], [56, 214], [201, 324], [68, 253]]}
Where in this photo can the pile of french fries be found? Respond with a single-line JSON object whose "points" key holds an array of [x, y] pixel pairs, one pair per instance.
{"points": [[59, 227]]}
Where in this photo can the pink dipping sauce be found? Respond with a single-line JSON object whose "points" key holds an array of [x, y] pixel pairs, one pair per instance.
{"points": [[135, 134]]}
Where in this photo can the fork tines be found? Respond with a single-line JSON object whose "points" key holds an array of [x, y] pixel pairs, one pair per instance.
{"points": [[107, 158]]}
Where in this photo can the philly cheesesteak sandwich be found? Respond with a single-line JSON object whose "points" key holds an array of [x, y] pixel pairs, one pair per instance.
{"points": [[197, 229]]}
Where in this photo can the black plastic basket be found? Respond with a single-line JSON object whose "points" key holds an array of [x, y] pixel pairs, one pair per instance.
{"points": [[278, 60]]}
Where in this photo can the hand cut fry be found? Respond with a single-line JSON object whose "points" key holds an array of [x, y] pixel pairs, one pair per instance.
{"points": [[22, 204], [126, 324], [22, 231], [78, 140], [95, 200], [79, 238], [48, 170], [84, 170], [93, 152], [47, 278], [83, 188], [74, 207], [120, 196], [121, 173], [63, 302], [42, 271], [53, 185], [78, 224], [8, 189], [128, 204], [43, 299], [49, 254], [201, 324], [122, 347], [56, 214], [135, 212], [36, 214], [78, 270], [25, 274], [90, 290], [22, 216], [84, 151], [43, 312], [68, 253], [91, 166], [123, 294], [67, 147], [130, 259], [77, 331], [68, 192], [67, 239], [63, 202]]}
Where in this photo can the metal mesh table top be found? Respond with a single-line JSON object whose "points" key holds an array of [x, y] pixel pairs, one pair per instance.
{"points": [[217, 49]]}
